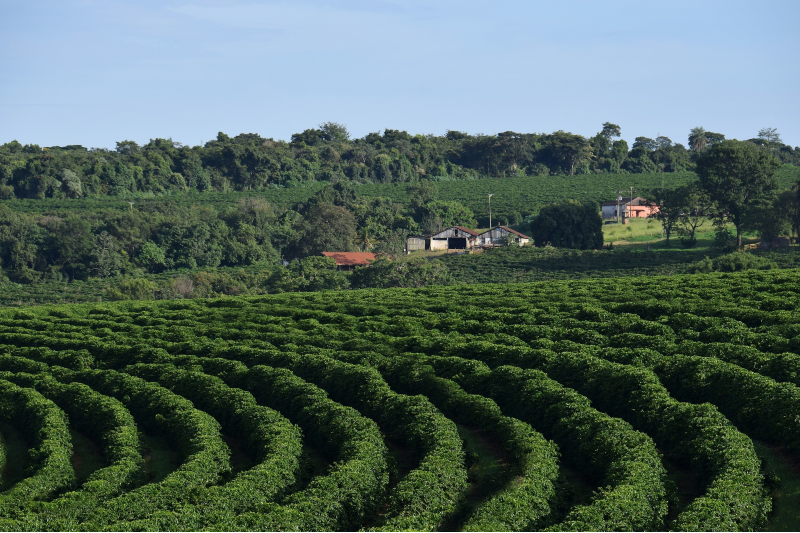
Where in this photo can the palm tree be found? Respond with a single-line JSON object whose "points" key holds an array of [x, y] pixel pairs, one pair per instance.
{"points": [[697, 138]]}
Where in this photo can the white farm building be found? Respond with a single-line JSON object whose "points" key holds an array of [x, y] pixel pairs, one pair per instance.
{"points": [[453, 238], [500, 236], [461, 238]]}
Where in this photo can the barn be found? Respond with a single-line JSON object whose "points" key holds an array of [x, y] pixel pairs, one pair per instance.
{"points": [[453, 238], [500, 236]]}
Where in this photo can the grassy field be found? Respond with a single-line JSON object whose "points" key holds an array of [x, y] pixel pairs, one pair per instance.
{"points": [[644, 232]]}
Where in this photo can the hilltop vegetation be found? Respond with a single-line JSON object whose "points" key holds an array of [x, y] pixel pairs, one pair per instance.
{"points": [[249, 162]]}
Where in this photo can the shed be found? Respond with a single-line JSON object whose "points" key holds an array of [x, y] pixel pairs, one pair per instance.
{"points": [[453, 238], [636, 207], [350, 260], [501, 235], [414, 244]]}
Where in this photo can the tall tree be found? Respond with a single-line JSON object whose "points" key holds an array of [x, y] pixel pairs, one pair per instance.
{"points": [[334, 132], [735, 174], [697, 139], [326, 228], [569, 150], [610, 131], [619, 152], [770, 136], [662, 142], [671, 204], [694, 215], [568, 225]]}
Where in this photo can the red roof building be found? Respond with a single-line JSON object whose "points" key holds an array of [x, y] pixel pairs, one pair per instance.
{"points": [[636, 207], [350, 260]]}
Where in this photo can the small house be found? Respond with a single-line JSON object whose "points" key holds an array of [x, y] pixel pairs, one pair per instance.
{"points": [[350, 260], [453, 238], [501, 236], [636, 207]]}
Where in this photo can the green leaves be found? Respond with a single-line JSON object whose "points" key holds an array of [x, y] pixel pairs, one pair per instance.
{"points": [[615, 374]]}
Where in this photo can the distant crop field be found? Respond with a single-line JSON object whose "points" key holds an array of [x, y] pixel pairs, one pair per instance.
{"points": [[645, 403], [513, 198]]}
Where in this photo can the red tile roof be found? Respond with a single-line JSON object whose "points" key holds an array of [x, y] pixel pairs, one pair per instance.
{"points": [[351, 258]]}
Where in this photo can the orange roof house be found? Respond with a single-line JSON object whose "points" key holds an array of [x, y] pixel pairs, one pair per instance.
{"points": [[636, 207], [350, 260]]}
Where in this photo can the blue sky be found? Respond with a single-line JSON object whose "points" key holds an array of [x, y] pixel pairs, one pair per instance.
{"points": [[94, 72]]}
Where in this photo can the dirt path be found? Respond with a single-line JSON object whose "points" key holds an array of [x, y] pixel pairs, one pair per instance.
{"points": [[783, 476]]}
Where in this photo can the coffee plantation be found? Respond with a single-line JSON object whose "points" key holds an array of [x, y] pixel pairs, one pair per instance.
{"points": [[636, 403]]}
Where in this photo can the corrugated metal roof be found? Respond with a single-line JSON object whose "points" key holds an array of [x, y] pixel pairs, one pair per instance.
{"points": [[636, 200], [518, 234], [351, 258], [506, 228], [462, 228]]}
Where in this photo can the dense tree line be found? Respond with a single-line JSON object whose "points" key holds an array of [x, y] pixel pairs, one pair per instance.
{"points": [[166, 236], [251, 162]]}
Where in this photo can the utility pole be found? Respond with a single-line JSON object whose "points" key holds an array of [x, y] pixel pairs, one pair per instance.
{"points": [[630, 203], [490, 211], [619, 199]]}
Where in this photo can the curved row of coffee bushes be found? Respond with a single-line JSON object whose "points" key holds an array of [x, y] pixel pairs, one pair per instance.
{"points": [[691, 367]]}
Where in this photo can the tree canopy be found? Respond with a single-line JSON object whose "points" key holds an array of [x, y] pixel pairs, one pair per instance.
{"points": [[568, 225], [327, 153], [736, 174]]}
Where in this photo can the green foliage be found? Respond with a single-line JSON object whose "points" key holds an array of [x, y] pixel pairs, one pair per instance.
{"points": [[616, 372], [106, 420], [439, 214], [524, 505], [194, 433], [45, 427], [309, 274], [402, 272], [269, 437], [735, 175], [423, 499], [733, 262], [83, 238], [568, 225]]}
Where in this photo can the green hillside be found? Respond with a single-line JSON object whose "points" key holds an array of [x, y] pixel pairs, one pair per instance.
{"points": [[523, 195]]}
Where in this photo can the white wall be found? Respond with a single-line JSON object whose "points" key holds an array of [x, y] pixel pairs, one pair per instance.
{"points": [[438, 244], [610, 211]]}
